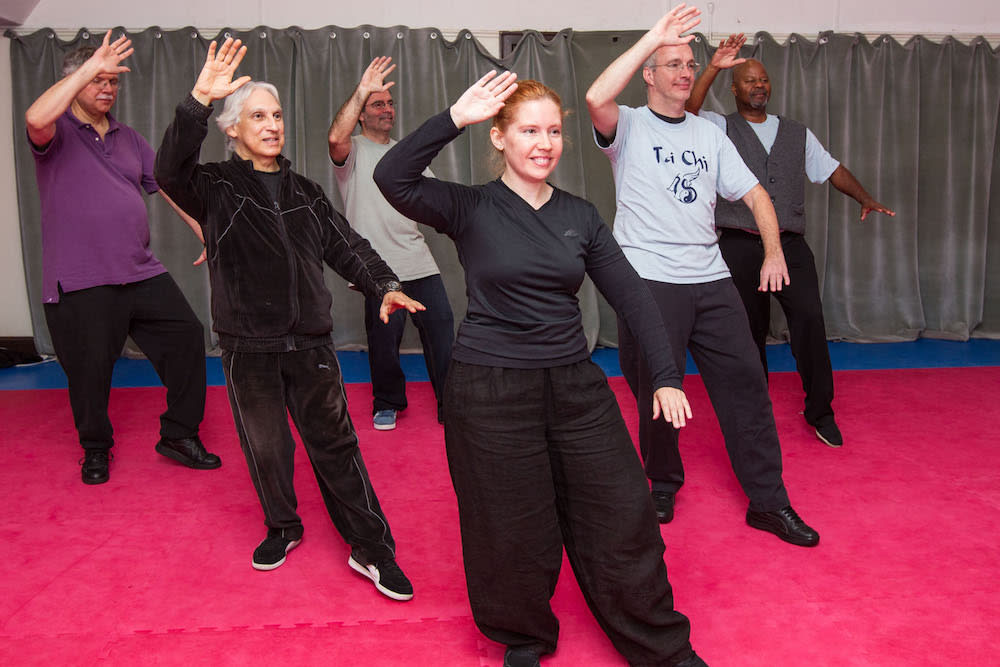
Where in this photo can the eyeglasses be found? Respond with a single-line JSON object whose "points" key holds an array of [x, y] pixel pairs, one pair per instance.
{"points": [[98, 83], [380, 105], [676, 65]]}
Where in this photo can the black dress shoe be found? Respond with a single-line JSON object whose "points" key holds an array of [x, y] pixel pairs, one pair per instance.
{"points": [[786, 524], [829, 434], [663, 501], [189, 452], [95, 466], [521, 656]]}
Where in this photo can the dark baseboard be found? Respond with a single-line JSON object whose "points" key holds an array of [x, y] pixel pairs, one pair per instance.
{"points": [[24, 345]]}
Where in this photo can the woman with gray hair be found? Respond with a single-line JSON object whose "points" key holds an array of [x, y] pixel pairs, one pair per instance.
{"points": [[268, 231]]}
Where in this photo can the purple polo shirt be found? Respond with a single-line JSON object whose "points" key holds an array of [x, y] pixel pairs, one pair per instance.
{"points": [[95, 230]]}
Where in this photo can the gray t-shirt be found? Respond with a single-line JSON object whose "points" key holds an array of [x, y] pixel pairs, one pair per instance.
{"points": [[395, 237], [819, 163], [666, 179]]}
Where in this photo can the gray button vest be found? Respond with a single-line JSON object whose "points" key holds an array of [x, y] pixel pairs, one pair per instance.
{"points": [[782, 173]]}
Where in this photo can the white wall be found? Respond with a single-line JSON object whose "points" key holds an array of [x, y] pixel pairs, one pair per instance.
{"points": [[779, 17]]}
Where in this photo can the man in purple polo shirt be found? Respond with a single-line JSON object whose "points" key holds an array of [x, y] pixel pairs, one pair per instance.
{"points": [[101, 282]]}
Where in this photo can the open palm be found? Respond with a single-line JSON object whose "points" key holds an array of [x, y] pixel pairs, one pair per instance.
{"points": [[216, 78], [484, 98]]}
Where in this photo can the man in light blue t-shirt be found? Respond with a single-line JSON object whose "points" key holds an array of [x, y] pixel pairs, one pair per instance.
{"points": [[668, 167], [397, 240], [782, 154]]}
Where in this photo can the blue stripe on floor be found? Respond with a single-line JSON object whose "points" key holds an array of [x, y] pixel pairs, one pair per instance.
{"points": [[923, 353]]}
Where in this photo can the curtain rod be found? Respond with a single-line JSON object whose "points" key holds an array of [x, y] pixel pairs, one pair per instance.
{"points": [[491, 36]]}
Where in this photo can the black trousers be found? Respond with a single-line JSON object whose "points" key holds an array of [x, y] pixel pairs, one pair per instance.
{"points": [[541, 459], [88, 329], [801, 304], [264, 388], [436, 327], [709, 319]]}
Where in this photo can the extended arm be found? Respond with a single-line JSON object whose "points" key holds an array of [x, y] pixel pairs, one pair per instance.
{"points": [[399, 174], [41, 116], [604, 91], [773, 272], [726, 56], [177, 157], [372, 81], [844, 180], [628, 294]]}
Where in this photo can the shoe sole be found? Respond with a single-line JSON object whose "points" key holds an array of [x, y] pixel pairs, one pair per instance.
{"points": [[185, 461], [781, 535], [264, 567], [362, 570], [93, 482], [824, 440], [384, 427]]}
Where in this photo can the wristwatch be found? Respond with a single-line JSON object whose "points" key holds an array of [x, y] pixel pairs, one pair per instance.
{"points": [[389, 286]]}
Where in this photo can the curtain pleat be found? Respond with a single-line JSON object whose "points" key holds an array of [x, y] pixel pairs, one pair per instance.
{"points": [[917, 123]]}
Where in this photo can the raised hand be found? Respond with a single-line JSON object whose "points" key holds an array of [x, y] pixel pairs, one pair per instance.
{"points": [[675, 23], [728, 53], [483, 99], [108, 56], [373, 79], [216, 79]]}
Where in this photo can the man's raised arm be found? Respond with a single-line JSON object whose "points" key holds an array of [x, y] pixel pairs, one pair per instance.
{"points": [[41, 116], [612, 81], [372, 81], [726, 56]]}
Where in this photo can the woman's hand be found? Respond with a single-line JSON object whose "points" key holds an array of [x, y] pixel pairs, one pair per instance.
{"points": [[483, 99], [673, 404]]}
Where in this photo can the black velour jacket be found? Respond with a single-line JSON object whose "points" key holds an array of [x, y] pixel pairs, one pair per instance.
{"points": [[265, 258]]}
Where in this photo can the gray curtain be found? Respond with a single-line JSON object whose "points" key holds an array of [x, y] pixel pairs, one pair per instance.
{"points": [[917, 123]]}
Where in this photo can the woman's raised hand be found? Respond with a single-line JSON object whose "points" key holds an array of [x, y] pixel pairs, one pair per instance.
{"points": [[483, 99]]}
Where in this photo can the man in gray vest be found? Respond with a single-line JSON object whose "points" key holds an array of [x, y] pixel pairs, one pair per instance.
{"points": [[781, 153], [396, 239]]}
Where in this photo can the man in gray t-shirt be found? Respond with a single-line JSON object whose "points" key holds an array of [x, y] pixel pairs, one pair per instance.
{"points": [[782, 154], [397, 240], [668, 167]]}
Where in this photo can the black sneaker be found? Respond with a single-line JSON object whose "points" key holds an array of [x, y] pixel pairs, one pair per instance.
{"points": [[94, 468], [271, 553], [830, 434], [520, 656], [388, 578]]}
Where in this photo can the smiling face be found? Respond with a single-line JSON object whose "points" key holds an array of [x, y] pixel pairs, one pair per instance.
{"points": [[668, 88], [259, 132], [751, 86], [532, 141]]}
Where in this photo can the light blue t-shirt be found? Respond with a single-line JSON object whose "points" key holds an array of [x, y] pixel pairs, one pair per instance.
{"points": [[820, 165], [666, 179]]}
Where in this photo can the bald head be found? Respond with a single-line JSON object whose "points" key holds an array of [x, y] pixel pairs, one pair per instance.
{"points": [[751, 87]]}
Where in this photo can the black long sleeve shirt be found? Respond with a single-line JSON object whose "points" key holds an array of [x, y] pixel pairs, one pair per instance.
{"points": [[523, 266]]}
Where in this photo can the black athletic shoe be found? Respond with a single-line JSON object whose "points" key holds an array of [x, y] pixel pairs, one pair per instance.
{"points": [[271, 553], [520, 656], [386, 575], [830, 434], [189, 452], [94, 468], [663, 501]]}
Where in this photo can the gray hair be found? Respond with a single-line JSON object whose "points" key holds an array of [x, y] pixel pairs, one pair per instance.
{"points": [[230, 114], [74, 59]]}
